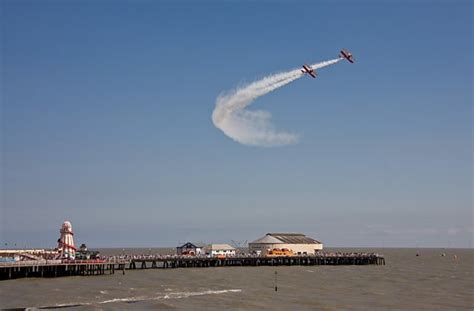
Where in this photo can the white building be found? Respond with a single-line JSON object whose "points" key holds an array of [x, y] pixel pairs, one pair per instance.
{"points": [[299, 243], [220, 250]]}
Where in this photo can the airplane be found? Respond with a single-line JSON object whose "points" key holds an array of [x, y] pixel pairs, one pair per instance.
{"points": [[347, 55], [307, 69]]}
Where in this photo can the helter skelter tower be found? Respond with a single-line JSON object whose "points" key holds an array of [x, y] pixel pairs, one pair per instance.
{"points": [[66, 247]]}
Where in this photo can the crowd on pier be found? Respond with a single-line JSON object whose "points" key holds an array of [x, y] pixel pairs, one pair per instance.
{"points": [[151, 257]]}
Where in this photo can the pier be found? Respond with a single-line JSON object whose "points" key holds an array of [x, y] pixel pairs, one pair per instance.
{"points": [[150, 262], [57, 268]]}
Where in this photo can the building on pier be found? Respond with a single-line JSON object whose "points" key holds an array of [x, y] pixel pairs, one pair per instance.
{"points": [[298, 243], [85, 254], [215, 250], [190, 249], [66, 247]]}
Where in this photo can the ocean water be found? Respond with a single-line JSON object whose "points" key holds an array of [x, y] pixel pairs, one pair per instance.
{"points": [[407, 282]]}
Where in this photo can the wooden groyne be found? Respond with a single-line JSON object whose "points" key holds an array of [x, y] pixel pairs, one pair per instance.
{"points": [[201, 262], [57, 268]]}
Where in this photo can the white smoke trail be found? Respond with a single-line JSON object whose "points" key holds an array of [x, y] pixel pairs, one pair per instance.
{"points": [[253, 127]]}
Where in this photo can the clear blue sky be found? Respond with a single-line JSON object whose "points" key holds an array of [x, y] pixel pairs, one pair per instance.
{"points": [[106, 122]]}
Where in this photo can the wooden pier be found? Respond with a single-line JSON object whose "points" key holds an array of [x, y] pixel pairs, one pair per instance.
{"points": [[201, 262], [56, 268]]}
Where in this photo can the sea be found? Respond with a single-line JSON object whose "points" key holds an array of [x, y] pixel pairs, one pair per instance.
{"points": [[412, 279]]}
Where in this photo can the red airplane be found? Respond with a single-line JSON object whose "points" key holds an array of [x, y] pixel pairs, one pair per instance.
{"points": [[347, 55], [307, 69]]}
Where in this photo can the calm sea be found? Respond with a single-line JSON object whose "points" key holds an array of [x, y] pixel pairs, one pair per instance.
{"points": [[407, 282]]}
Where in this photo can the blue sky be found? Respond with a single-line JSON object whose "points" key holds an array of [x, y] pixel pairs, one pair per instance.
{"points": [[106, 122]]}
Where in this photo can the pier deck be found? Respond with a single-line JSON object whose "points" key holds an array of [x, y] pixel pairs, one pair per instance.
{"points": [[198, 262], [56, 268]]}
